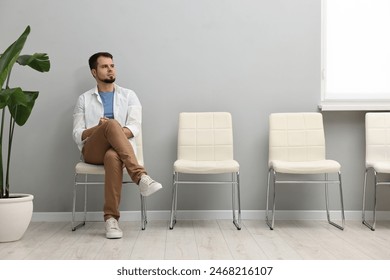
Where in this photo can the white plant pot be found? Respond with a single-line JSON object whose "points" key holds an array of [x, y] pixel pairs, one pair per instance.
{"points": [[15, 216]]}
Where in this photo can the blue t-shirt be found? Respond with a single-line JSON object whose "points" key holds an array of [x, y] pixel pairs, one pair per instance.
{"points": [[108, 103]]}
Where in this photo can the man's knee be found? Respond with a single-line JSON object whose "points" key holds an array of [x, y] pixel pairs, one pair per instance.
{"points": [[111, 156]]}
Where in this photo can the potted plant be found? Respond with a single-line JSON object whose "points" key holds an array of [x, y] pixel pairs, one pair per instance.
{"points": [[15, 209]]}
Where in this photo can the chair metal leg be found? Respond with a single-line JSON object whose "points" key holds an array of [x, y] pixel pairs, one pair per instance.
{"points": [[327, 198], [143, 213], [74, 203], [364, 197], [74, 227], [144, 219], [85, 198], [174, 201], [236, 187], [341, 200], [364, 221], [271, 221], [270, 224]]}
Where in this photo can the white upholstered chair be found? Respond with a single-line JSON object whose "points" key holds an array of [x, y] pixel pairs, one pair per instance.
{"points": [[297, 147], [83, 170], [377, 157], [205, 146]]}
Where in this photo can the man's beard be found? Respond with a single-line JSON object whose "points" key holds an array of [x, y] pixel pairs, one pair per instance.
{"points": [[109, 80]]}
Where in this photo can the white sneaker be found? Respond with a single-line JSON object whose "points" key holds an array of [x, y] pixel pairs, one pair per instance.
{"points": [[112, 229], [147, 185]]}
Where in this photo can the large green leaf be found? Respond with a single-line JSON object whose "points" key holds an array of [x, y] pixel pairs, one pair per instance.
{"points": [[4, 96], [10, 55], [21, 104], [37, 61]]}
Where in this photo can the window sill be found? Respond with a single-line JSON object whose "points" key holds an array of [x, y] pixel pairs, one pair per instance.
{"points": [[354, 105]]}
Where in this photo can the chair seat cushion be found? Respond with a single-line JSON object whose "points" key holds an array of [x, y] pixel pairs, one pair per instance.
{"points": [[380, 166], [92, 169], [86, 168], [206, 167], [305, 167]]}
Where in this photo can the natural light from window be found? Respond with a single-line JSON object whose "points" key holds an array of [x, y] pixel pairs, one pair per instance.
{"points": [[356, 50]]}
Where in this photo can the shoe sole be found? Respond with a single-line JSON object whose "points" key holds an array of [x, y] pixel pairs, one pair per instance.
{"points": [[114, 235], [151, 190]]}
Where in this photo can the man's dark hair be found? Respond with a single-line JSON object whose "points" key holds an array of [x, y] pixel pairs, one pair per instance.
{"points": [[93, 59]]}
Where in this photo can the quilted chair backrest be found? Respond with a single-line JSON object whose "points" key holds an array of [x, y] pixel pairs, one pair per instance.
{"points": [[296, 137], [205, 136], [377, 137]]}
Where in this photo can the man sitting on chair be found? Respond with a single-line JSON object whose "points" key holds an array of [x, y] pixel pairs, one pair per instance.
{"points": [[105, 121]]}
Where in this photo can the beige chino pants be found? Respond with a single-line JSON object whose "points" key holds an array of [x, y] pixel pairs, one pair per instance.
{"points": [[108, 145]]}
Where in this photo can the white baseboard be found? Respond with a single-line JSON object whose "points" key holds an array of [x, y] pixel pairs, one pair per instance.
{"points": [[208, 215]]}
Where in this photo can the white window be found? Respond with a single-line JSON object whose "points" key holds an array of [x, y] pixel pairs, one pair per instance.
{"points": [[355, 55]]}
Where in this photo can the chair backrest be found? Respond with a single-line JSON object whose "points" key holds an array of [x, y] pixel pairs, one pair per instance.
{"points": [[140, 151], [377, 137], [296, 137], [205, 136]]}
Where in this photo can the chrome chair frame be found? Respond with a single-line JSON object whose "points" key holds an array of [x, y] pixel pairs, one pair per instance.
{"points": [[376, 184], [235, 196], [86, 184], [272, 172]]}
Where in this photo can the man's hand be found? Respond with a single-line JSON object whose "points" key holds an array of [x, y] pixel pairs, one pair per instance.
{"points": [[102, 120], [128, 133]]}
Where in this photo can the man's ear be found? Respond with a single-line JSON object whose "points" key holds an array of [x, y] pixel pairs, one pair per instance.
{"points": [[93, 72]]}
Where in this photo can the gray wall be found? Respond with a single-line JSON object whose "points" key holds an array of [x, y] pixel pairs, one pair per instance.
{"points": [[248, 57]]}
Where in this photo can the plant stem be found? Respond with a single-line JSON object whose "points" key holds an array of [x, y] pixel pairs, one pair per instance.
{"points": [[2, 192], [10, 137], [1, 155]]}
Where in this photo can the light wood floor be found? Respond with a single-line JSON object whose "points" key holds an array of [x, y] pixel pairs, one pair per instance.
{"points": [[204, 240]]}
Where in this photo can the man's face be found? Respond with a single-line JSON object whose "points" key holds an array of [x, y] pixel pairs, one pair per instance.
{"points": [[105, 70]]}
